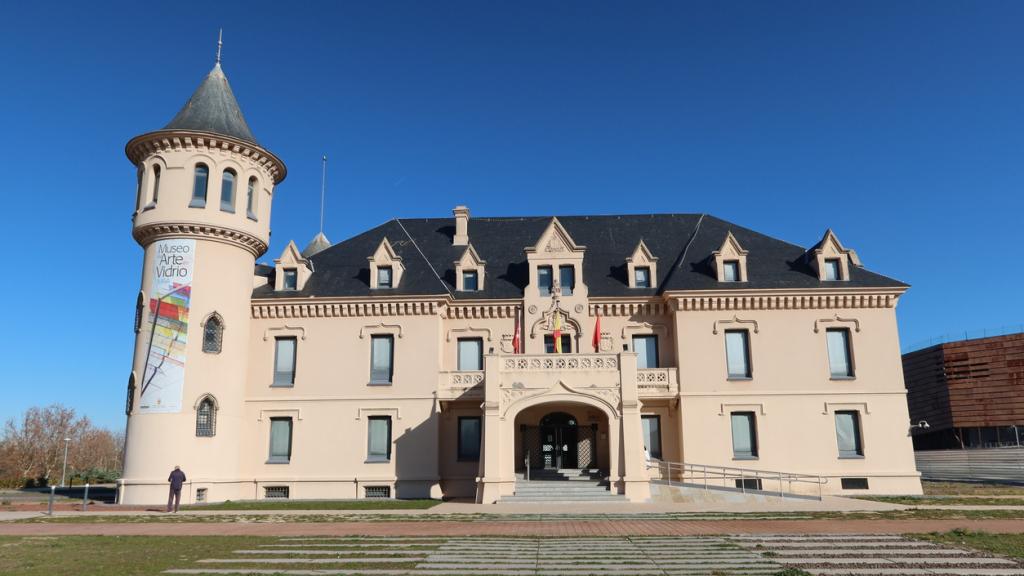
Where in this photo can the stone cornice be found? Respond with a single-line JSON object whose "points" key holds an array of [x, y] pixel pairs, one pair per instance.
{"points": [[160, 230], [318, 308], [140, 147], [822, 298]]}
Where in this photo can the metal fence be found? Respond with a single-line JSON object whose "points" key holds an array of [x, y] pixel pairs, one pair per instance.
{"points": [[972, 465]]}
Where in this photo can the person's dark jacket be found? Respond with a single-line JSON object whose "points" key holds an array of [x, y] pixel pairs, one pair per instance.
{"points": [[177, 478]]}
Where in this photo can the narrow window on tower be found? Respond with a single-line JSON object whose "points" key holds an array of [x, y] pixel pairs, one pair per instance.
{"points": [[227, 191], [199, 182], [156, 184], [213, 334], [250, 199], [138, 190]]}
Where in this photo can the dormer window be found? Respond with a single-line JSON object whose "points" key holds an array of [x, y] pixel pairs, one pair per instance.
{"points": [[469, 271], [384, 277], [291, 279], [730, 261], [731, 271], [642, 277], [833, 269], [544, 277]]}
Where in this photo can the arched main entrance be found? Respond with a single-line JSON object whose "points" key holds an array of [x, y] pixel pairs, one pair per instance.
{"points": [[562, 437]]}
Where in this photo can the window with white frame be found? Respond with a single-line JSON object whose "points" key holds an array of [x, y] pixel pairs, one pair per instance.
{"points": [[652, 434], [471, 354], [378, 439], [382, 356], [646, 348], [840, 360], [280, 440], [737, 352], [284, 360], [848, 434], [744, 435]]}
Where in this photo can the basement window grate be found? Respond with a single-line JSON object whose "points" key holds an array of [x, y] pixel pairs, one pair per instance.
{"points": [[854, 483], [200, 495], [275, 492], [378, 491], [748, 483]]}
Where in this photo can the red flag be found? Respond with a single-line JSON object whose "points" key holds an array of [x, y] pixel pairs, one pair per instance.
{"points": [[516, 342], [597, 333]]}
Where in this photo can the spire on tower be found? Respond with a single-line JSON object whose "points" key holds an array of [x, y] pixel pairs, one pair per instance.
{"points": [[220, 43]]}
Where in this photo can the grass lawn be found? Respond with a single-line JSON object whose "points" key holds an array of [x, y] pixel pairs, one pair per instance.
{"points": [[1011, 545], [367, 504], [122, 555], [946, 500], [970, 489]]}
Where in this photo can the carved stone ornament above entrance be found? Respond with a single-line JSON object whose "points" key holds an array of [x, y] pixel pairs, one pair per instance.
{"points": [[608, 397]]}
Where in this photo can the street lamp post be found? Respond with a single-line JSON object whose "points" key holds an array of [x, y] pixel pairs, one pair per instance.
{"points": [[64, 474]]}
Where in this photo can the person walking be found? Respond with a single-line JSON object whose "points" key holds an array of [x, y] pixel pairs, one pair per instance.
{"points": [[177, 478]]}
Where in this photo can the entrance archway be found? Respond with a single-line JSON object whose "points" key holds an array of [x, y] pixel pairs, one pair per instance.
{"points": [[562, 436]]}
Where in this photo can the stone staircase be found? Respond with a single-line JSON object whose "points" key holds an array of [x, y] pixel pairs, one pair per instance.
{"points": [[564, 485]]}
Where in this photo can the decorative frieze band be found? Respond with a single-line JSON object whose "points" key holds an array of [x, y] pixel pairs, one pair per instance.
{"points": [[155, 142], [295, 310], [823, 301], [159, 230], [481, 311], [629, 309]]}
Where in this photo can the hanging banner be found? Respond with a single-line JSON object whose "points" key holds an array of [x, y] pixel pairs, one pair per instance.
{"points": [[164, 379]]}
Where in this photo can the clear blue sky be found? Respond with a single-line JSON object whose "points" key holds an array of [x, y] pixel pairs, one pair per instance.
{"points": [[898, 124]]}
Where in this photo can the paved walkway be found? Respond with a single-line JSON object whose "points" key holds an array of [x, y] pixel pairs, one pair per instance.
{"points": [[616, 556], [634, 526]]}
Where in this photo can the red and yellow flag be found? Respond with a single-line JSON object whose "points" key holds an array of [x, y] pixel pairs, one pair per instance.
{"points": [[557, 334]]}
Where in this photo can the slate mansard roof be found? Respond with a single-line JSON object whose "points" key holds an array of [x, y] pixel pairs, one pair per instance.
{"points": [[683, 244]]}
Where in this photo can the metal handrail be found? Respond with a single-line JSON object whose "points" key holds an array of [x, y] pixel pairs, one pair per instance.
{"points": [[709, 476]]}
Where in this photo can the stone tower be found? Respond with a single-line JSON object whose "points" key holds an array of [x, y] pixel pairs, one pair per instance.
{"points": [[202, 215]]}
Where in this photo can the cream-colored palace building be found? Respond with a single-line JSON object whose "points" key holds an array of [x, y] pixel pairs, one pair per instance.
{"points": [[386, 365]]}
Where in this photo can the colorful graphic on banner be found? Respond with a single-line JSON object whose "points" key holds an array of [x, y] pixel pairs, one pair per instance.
{"points": [[173, 263]]}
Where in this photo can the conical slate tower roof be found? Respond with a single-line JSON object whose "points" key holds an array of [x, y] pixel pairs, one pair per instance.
{"points": [[213, 108], [319, 244]]}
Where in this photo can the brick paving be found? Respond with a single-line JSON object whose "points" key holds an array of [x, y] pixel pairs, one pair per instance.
{"points": [[556, 528], [816, 554]]}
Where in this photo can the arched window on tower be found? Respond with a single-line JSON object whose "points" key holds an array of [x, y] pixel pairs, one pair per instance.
{"points": [[199, 182], [227, 191], [213, 334], [129, 403], [138, 190], [156, 184], [250, 199], [206, 417], [140, 303]]}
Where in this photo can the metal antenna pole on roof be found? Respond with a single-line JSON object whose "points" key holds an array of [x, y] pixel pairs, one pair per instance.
{"points": [[323, 190], [220, 43]]}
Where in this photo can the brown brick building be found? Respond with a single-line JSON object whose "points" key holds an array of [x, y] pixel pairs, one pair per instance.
{"points": [[971, 393]]}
